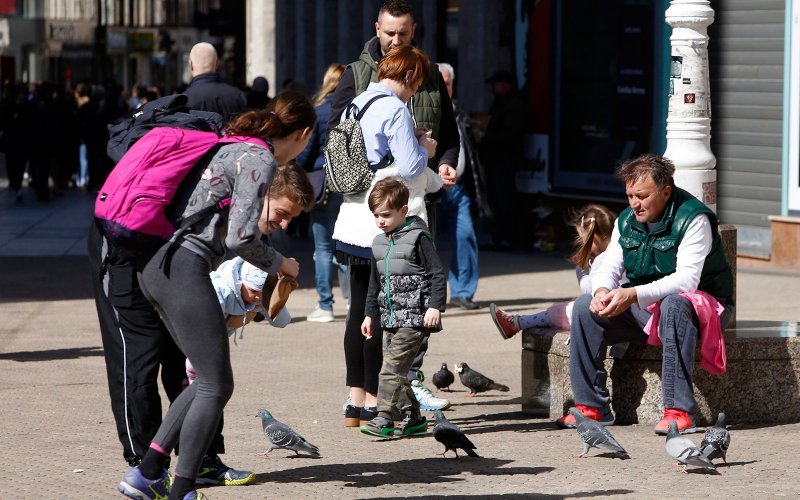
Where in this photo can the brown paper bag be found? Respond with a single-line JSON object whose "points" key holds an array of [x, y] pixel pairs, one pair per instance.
{"points": [[276, 293]]}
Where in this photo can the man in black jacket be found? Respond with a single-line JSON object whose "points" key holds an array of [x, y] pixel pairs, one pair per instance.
{"points": [[206, 92]]}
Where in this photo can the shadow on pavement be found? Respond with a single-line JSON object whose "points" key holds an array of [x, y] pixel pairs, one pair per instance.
{"points": [[44, 278], [479, 400], [736, 464], [578, 494], [53, 354], [514, 305], [425, 471]]}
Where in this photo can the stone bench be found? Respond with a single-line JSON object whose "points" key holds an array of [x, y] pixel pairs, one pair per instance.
{"points": [[761, 385]]}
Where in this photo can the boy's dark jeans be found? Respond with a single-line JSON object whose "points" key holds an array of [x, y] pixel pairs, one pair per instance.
{"points": [[400, 345]]}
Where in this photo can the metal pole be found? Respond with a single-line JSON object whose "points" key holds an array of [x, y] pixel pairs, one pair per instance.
{"points": [[689, 115]]}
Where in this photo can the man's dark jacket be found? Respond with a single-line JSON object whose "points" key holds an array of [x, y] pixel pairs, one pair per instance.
{"points": [[207, 93]]}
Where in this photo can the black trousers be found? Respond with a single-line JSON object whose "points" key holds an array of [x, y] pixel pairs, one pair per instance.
{"points": [[362, 357], [136, 344]]}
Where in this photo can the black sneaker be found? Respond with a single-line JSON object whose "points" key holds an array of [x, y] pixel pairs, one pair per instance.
{"points": [[464, 303], [411, 425], [380, 427], [367, 414], [352, 416], [214, 472]]}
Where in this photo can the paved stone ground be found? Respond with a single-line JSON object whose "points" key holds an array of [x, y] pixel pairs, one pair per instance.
{"points": [[57, 435], [57, 420]]}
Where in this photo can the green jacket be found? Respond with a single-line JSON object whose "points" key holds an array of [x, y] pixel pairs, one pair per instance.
{"points": [[651, 256], [425, 106]]}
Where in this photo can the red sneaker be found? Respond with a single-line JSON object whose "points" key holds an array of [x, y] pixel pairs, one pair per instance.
{"points": [[507, 324], [568, 421], [684, 420]]}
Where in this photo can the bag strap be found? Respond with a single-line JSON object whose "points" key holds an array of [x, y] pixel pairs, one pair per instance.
{"points": [[351, 107], [388, 159], [385, 162], [224, 202]]}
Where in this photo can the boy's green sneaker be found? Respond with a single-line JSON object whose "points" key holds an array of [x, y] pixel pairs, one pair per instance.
{"points": [[411, 425], [379, 426]]}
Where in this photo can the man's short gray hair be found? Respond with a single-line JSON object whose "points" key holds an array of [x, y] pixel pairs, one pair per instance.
{"points": [[449, 68], [658, 168]]}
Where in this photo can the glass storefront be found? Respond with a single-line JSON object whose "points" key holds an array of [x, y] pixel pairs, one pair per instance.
{"points": [[604, 82]]}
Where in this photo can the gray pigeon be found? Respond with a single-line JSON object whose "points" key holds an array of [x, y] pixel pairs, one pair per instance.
{"points": [[477, 382], [684, 451], [444, 378], [716, 440], [595, 435], [451, 436], [281, 435]]}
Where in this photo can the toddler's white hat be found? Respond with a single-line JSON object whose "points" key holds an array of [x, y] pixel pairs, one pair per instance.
{"points": [[253, 277]]}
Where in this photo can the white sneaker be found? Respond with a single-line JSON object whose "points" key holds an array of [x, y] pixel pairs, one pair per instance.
{"points": [[320, 316], [428, 401], [346, 403]]}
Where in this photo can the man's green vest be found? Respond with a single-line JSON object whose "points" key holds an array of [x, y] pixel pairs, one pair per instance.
{"points": [[425, 106], [649, 256]]}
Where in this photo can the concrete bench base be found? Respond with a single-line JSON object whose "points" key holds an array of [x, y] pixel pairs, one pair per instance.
{"points": [[761, 385]]}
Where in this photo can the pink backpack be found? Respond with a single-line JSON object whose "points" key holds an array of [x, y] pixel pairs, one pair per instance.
{"points": [[131, 206]]}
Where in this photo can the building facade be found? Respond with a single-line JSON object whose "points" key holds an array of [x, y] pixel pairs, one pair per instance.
{"points": [[129, 42], [596, 75]]}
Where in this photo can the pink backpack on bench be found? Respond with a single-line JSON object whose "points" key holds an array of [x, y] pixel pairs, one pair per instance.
{"points": [[131, 206]]}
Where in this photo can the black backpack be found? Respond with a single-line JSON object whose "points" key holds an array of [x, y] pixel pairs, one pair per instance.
{"points": [[169, 111]]}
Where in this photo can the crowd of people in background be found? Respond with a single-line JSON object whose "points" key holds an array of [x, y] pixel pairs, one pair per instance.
{"points": [[54, 136]]}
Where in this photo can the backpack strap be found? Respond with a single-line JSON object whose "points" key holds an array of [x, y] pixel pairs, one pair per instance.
{"points": [[388, 159], [352, 107], [224, 202]]}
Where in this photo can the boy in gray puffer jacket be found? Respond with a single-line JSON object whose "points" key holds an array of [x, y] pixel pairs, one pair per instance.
{"points": [[407, 289]]}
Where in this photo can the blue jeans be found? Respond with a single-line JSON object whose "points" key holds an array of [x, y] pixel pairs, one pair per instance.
{"points": [[678, 331], [454, 208], [323, 218]]}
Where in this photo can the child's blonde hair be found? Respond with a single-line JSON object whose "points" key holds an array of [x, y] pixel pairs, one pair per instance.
{"points": [[589, 221]]}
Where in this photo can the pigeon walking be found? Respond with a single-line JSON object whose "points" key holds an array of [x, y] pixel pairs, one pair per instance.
{"points": [[716, 440], [451, 436], [595, 435], [281, 435], [444, 378], [683, 450], [477, 382]]}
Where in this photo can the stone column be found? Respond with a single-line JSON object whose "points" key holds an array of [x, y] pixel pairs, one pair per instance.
{"points": [[261, 48], [689, 116]]}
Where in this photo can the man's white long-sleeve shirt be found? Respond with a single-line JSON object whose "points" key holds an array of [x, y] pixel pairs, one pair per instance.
{"points": [[691, 254]]}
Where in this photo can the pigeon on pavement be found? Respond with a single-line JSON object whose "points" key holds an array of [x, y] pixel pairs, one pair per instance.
{"points": [[477, 382], [281, 435], [451, 436], [444, 378], [716, 440], [683, 450], [595, 435]]}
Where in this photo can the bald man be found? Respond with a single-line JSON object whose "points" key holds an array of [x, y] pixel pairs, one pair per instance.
{"points": [[206, 92]]}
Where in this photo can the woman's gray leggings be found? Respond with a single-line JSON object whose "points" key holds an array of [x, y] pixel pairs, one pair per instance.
{"points": [[177, 283]]}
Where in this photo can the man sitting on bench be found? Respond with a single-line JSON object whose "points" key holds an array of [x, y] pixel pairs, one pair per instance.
{"points": [[667, 244]]}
